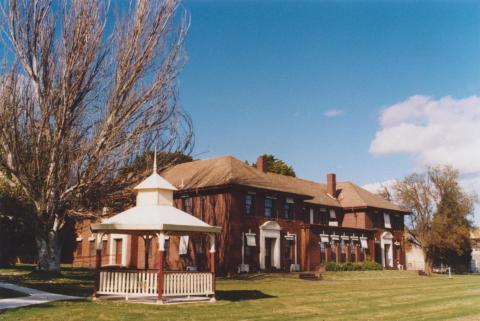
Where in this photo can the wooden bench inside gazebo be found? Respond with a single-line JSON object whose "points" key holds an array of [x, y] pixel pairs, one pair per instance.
{"points": [[154, 215]]}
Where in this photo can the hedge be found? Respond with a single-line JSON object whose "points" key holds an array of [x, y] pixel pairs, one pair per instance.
{"points": [[350, 266]]}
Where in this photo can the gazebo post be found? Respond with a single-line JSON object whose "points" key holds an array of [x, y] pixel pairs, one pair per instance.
{"points": [[98, 264], [212, 264], [161, 252]]}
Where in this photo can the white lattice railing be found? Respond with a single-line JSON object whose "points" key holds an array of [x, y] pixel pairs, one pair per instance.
{"points": [[187, 283], [128, 283], [145, 283]]}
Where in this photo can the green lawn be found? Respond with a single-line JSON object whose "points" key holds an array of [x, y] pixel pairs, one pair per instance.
{"points": [[373, 295], [73, 281]]}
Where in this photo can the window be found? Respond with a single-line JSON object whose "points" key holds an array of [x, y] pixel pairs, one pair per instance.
{"points": [[249, 204], [187, 205], [183, 245], [268, 207], [79, 248], [333, 215], [397, 222], [323, 217], [104, 247], [288, 209], [386, 218], [91, 248], [323, 252]]}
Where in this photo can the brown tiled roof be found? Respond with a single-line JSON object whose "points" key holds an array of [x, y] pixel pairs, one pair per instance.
{"points": [[229, 170], [225, 170], [352, 195]]}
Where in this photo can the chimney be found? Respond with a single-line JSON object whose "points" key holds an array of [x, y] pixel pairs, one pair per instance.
{"points": [[332, 185], [261, 164]]}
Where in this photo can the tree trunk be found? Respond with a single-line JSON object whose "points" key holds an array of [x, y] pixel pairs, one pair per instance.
{"points": [[428, 264], [49, 252]]}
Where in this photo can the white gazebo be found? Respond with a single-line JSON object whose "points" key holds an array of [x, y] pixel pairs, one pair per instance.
{"points": [[154, 214]]}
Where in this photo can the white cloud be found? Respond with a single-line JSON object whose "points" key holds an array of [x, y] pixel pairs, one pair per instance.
{"points": [[333, 113], [435, 132]]}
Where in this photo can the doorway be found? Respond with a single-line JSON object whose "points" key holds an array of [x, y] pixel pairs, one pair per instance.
{"points": [[269, 255], [387, 249], [388, 262], [270, 246]]}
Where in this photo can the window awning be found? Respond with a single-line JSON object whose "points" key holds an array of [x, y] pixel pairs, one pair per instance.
{"points": [[363, 242], [386, 217], [183, 245], [354, 238], [335, 237], [290, 237], [324, 238], [290, 200], [250, 239], [345, 237]]}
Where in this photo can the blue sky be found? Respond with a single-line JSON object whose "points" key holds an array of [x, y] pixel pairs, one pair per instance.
{"points": [[261, 76]]}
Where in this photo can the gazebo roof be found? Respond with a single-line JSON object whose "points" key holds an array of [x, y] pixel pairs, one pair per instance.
{"points": [[154, 212], [154, 218], [155, 181]]}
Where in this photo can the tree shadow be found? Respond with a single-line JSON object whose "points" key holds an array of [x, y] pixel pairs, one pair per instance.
{"points": [[241, 295]]}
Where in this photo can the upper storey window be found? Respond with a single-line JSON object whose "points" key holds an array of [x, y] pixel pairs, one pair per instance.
{"points": [[333, 218], [386, 218], [249, 204], [187, 205], [268, 210], [288, 208]]}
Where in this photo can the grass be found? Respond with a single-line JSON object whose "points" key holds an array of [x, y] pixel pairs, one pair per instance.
{"points": [[371, 295], [72, 281]]}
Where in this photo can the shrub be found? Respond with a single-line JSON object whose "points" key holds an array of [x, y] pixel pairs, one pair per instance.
{"points": [[332, 266], [371, 265], [350, 266]]}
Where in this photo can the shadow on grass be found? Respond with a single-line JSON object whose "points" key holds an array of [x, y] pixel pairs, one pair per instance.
{"points": [[76, 282], [241, 295]]}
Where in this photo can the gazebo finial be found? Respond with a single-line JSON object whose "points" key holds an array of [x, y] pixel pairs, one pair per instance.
{"points": [[155, 160]]}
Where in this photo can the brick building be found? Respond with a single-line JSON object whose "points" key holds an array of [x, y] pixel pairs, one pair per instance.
{"points": [[269, 222]]}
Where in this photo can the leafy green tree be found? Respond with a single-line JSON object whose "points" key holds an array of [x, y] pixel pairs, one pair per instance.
{"points": [[277, 166]]}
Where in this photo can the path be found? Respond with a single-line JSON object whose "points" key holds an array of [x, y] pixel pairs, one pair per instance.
{"points": [[35, 297]]}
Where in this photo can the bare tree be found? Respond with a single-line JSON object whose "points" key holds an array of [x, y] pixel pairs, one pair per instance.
{"points": [[440, 210], [81, 96]]}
